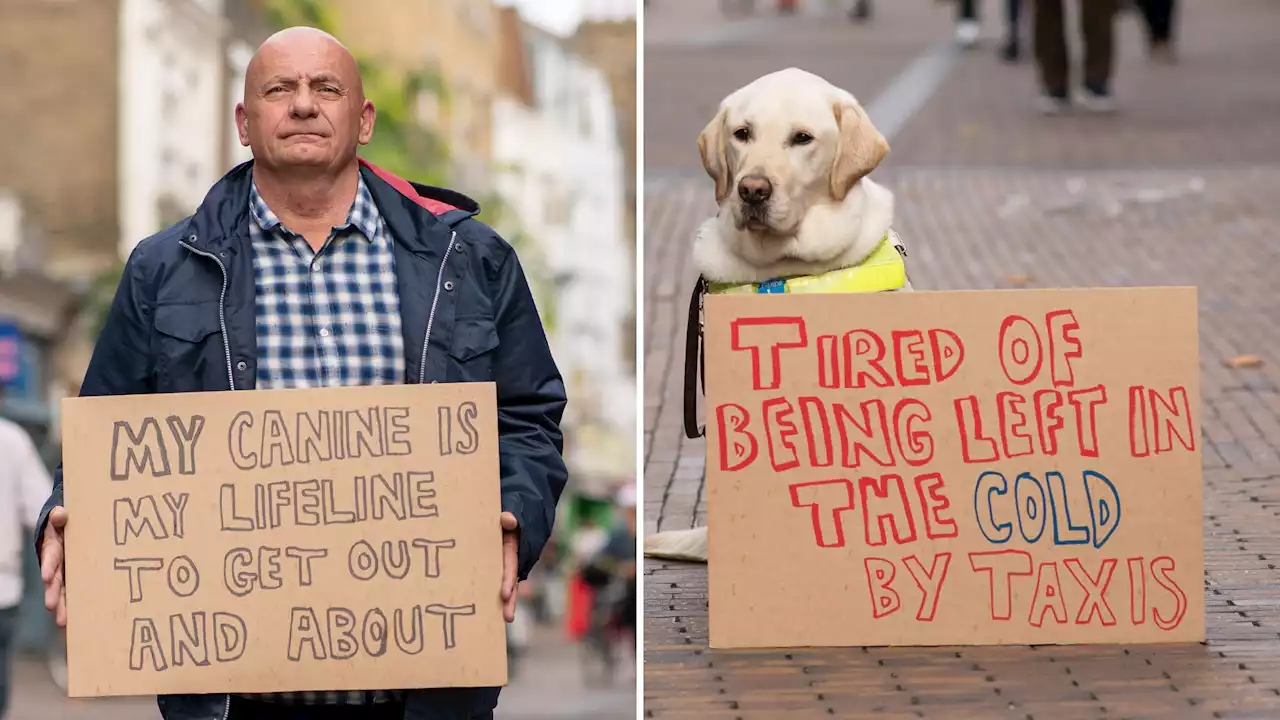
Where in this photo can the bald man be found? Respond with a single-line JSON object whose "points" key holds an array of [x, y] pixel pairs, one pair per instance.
{"points": [[308, 267]]}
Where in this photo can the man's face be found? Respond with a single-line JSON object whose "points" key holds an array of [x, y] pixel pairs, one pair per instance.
{"points": [[304, 106]]}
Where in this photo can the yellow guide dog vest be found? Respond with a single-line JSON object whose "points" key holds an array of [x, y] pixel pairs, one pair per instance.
{"points": [[883, 270]]}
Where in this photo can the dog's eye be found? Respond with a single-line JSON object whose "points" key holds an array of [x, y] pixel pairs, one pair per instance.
{"points": [[742, 134], [801, 138]]}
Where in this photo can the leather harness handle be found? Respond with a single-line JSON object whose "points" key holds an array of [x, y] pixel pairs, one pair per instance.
{"points": [[694, 362]]}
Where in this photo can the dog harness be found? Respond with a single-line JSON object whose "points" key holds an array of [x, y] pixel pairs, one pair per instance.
{"points": [[883, 270]]}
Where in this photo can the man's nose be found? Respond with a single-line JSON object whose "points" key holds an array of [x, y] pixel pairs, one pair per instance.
{"points": [[303, 103], [754, 189]]}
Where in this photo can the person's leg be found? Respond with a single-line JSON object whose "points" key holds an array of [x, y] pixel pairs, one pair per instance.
{"points": [[1050, 38], [8, 627], [967, 26], [1097, 21], [1160, 20], [1012, 49]]}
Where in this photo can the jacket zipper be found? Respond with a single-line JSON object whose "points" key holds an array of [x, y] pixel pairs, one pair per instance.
{"points": [[222, 325], [431, 317], [226, 340]]}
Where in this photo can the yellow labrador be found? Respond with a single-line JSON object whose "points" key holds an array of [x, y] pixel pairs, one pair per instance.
{"points": [[789, 154]]}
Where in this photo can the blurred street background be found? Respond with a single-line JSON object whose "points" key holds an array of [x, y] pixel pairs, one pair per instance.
{"points": [[118, 117], [1177, 187]]}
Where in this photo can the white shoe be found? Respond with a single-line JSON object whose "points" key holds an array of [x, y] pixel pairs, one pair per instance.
{"points": [[1095, 102], [1051, 105], [967, 32]]}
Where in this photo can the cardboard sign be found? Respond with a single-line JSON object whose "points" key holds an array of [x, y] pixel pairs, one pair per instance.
{"points": [[331, 539], [954, 468]]}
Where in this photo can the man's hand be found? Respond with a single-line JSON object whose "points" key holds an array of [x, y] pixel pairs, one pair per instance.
{"points": [[510, 564], [51, 568]]}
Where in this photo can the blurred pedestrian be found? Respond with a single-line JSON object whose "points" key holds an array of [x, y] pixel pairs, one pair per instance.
{"points": [[308, 267], [968, 27], [1097, 24], [621, 550], [1159, 18], [587, 542], [25, 483], [1011, 50]]}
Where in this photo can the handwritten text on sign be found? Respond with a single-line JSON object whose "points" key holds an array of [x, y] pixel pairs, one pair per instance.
{"points": [[275, 541], [940, 468]]}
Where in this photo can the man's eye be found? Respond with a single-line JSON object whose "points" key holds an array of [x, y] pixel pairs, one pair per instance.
{"points": [[742, 134], [801, 138], [274, 90], [327, 89]]}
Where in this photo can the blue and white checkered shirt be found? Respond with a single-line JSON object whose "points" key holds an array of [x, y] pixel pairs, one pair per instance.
{"points": [[326, 319]]}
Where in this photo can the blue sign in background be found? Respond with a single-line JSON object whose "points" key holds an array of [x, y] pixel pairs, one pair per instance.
{"points": [[10, 353], [16, 370]]}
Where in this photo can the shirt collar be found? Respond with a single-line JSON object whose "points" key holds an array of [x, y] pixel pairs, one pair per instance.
{"points": [[362, 217]]}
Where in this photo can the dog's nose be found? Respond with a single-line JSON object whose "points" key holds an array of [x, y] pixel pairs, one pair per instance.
{"points": [[755, 189]]}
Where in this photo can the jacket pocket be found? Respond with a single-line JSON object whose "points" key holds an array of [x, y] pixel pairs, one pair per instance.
{"points": [[474, 340], [189, 352]]}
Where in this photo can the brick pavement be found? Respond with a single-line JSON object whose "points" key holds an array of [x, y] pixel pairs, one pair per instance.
{"points": [[1180, 189], [684, 81]]}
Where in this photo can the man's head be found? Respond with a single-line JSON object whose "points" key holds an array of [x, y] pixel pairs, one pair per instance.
{"points": [[304, 106]]}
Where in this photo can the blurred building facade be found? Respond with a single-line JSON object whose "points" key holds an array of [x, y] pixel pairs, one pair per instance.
{"points": [[458, 40], [117, 111], [171, 119], [555, 134], [607, 38]]}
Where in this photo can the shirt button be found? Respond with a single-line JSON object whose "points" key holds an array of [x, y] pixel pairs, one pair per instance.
{"points": [[242, 365], [448, 286], [324, 332]]}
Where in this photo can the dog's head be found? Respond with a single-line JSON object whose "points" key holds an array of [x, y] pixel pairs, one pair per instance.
{"points": [[784, 143]]}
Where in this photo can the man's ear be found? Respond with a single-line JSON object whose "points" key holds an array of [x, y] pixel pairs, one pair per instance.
{"points": [[860, 151], [242, 124], [714, 158], [368, 114]]}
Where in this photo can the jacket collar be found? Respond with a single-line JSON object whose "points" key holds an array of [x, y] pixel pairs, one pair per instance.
{"points": [[419, 216]]}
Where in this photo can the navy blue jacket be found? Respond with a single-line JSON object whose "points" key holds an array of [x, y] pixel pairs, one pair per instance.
{"points": [[183, 321]]}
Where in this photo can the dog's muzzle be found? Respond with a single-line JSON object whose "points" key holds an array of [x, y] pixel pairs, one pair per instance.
{"points": [[754, 192]]}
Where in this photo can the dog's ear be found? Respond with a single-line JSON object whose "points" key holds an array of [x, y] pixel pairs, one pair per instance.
{"points": [[860, 151], [714, 157]]}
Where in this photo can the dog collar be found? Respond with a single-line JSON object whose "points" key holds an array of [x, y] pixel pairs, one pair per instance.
{"points": [[881, 271]]}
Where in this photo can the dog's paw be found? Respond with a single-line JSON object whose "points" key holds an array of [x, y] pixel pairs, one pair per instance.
{"points": [[680, 545]]}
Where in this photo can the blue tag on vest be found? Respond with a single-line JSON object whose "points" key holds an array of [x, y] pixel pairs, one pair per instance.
{"points": [[772, 287]]}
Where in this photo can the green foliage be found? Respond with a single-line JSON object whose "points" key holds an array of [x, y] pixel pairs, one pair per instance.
{"points": [[100, 296], [281, 14]]}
